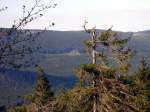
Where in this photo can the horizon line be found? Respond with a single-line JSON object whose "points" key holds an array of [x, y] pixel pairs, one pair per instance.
{"points": [[63, 30]]}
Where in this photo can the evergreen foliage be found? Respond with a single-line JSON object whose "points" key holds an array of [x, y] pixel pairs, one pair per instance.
{"points": [[112, 95], [139, 85], [43, 93], [76, 100], [19, 109]]}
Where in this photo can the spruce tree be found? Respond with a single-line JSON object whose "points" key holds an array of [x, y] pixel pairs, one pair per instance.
{"points": [[43, 93], [100, 87], [139, 85], [108, 93]]}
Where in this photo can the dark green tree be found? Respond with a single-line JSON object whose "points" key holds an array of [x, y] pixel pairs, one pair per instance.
{"points": [[41, 100], [139, 85]]}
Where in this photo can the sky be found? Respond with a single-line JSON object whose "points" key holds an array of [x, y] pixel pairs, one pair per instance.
{"points": [[123, 15]]}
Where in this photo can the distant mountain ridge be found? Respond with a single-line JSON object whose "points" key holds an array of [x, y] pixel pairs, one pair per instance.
{"points": [[58, 42], [55, 42]]}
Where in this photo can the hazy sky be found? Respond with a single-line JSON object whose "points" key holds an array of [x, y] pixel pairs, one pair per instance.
{"points": [[124, 15]]}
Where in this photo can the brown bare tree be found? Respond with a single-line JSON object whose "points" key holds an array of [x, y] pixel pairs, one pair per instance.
{"points": [[16, 43]]}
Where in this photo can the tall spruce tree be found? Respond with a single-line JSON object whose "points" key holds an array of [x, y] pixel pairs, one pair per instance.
{"points": [[100, 88], [108, 93]]}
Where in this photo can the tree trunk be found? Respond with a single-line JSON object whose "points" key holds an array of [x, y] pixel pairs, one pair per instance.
{"points": [[94, 62]]}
